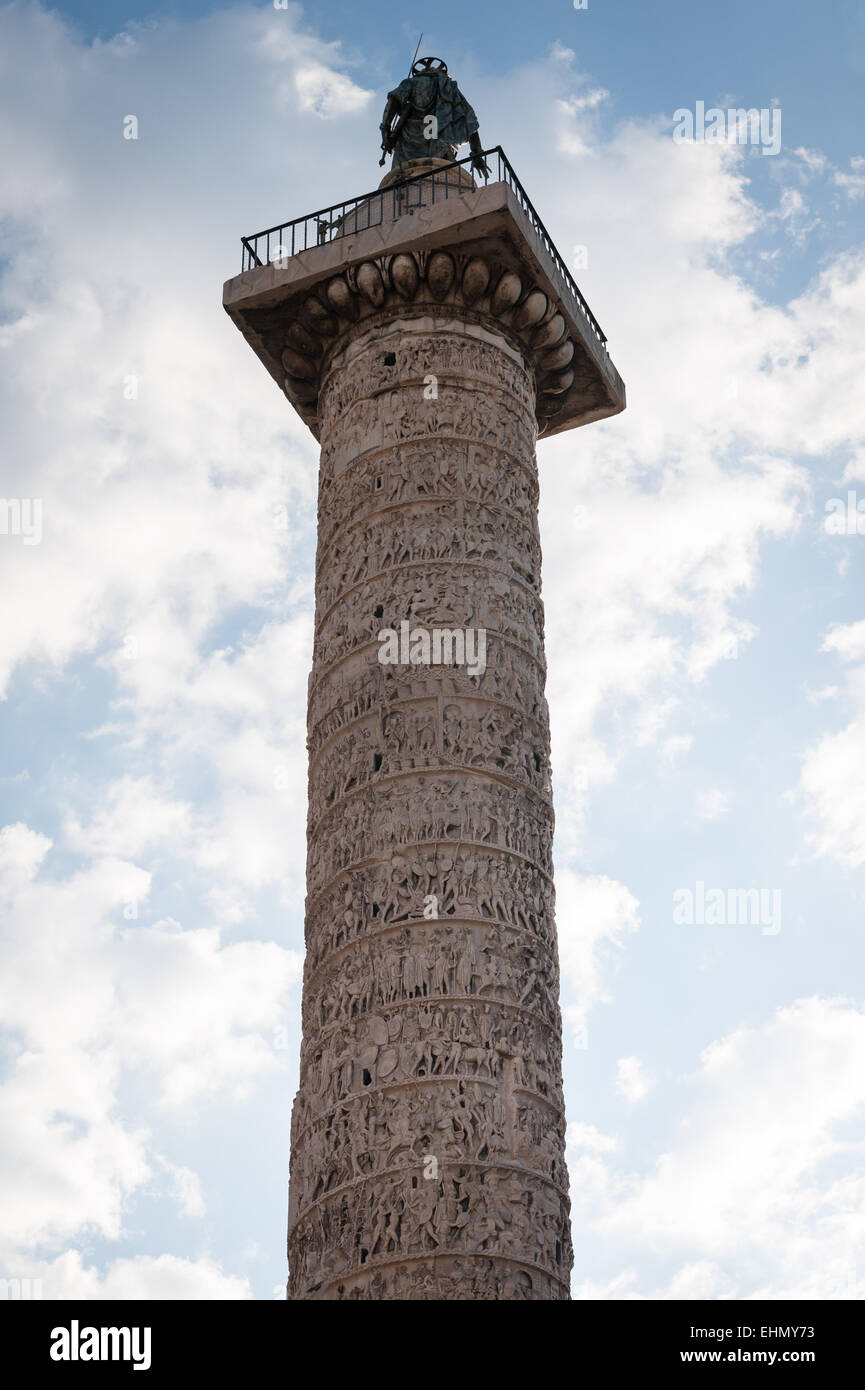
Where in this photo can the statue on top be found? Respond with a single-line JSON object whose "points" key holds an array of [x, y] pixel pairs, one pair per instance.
{"points": [[427, 117]]}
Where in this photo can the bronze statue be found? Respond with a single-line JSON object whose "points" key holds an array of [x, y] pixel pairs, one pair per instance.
{"points": [[427, 117]]}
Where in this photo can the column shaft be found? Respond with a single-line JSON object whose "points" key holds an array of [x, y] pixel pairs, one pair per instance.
{"points": [[428, 1129]]}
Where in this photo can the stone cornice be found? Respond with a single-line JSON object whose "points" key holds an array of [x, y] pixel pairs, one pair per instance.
{"points": [[475, 257]]}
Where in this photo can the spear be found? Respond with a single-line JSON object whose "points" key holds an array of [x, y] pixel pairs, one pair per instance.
{"points": [[389, 137]]}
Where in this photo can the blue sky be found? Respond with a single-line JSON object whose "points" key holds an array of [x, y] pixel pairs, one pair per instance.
{"points": [[705, 632]]}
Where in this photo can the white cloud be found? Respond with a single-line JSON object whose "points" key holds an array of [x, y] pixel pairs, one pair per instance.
{"points": [[826, 692], [854, 469], [676, 746], [307, 71], [166, 1277], [22, 850], [582, 1136], [677, 497], [831, 785], [848, 640], [593, 914], [136, 817], [852, 183], [631, 1079], [762, 1187], [85, 1000], [702, 1279], [834, 794], [812, 161], [187, 1189], [328, 93], [711, 803], [586, 101]]}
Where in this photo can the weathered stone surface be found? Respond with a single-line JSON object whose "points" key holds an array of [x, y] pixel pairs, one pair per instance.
{"points": [[427, 1144], [431, 1044]]}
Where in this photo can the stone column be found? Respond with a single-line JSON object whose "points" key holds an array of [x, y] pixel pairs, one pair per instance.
{"points": [[428, 1130]]}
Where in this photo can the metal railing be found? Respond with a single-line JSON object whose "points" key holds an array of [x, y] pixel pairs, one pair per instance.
{"points": [[386, 204]]}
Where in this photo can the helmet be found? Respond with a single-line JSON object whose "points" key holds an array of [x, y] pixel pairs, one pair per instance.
{"points": [[426, 65]]}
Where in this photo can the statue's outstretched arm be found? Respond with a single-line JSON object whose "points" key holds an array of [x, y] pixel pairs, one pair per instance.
{"points": [[479, 164]]}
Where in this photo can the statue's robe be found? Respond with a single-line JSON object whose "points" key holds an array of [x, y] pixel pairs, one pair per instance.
{"points": [[430, 94]]}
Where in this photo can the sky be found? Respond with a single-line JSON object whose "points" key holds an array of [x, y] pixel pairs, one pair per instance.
{"points": [[705, 619]]}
